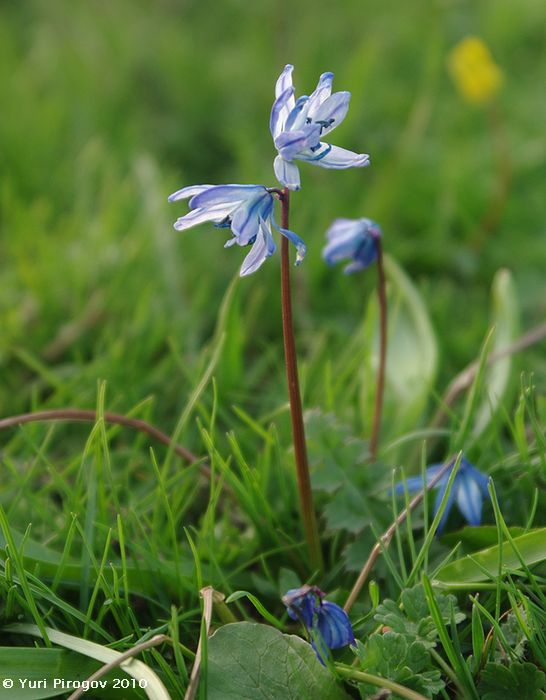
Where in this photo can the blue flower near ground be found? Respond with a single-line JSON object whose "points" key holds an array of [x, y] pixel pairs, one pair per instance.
{"points": [[355, 239], [297, 126], [328, 625], [247, 210], [469, 489]]}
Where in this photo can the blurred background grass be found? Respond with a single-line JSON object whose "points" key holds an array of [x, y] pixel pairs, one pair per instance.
{"points": [[109, 107]]}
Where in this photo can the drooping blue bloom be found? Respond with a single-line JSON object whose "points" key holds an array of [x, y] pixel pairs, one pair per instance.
{"points": [[248, 210], [298, 125], [328, 625], [468, 490], [355, 239]]}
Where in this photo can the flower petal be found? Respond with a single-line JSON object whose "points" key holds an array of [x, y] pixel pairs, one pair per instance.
{"points": [[334, 626], [225, 194], [282, 107], [290, 143], [328, 156], [284, 80], [301, 248], [333, 111], [245, 222], [198, 216], [449, 503], [415, 483], [186, 192], [320, 94], [287, 173], [469, 498], [263, 248], [297, 117], [339, 228]]}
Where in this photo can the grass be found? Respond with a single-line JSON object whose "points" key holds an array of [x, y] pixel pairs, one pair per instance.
{"points": [[108, 536]]}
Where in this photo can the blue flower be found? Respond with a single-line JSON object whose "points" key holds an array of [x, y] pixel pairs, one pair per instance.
{"points": [[298, 125], [328, 625], [352, 238], [469, 489], [246, 209]]}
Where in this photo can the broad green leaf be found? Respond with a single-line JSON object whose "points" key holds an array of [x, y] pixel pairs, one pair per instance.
{"points": [[505, 320], [483, 565], [522, 681], [248, 661], [40, 673], [155, 690], [412, 355], [473, 538]]}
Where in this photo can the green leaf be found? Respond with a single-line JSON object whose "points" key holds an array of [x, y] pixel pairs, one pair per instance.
{"points": [[408, 663], [155, 690], [505, 319], [484, 565], [41, 667], [412, 617], [522, 681], [248, 661], [412, 356], [473, 538]]}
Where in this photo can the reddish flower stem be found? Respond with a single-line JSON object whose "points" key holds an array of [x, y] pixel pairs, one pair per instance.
{"points": [[88, 416], [380, 387], [298, 429]]}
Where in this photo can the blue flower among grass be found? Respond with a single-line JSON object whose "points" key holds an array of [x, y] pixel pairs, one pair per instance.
{"points": [[327, 624], [247, 210], [353, 239], [469, 490], [297, 126]]}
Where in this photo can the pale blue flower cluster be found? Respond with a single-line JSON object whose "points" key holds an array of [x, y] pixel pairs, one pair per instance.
{"points": [[327, 624], [297, 127], [247, 210], [353, 239]]}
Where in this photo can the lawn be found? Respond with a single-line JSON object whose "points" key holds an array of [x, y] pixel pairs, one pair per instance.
{"points": [[108, 532]]}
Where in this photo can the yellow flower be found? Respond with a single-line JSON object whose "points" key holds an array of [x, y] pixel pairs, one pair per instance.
{"points": [[473, 70]]}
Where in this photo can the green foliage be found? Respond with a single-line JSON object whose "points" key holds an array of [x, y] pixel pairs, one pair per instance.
{"points": [[412, 619], [393, 656], [247, 661], [106, 535], [522, 681]]}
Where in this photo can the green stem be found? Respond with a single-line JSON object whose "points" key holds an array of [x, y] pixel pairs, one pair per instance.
{"points": [[380, 387], [362, 677], [298, 430]]}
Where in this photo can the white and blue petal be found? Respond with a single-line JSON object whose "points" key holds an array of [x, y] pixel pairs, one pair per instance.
{"points": [[320, 94], [301, 248], [298, 116], [186, 192], [263, 248], [469, 499], [197, 216], [332, 111], [246, 218], [282, 107], [290, 143], [225, 194], [287, 173], [334, 157]]}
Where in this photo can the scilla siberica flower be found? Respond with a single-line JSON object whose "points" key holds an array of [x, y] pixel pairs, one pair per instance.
{"points": [[246, 209], [353, 239], [328, 625], [469, 489], [298, 125]]}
